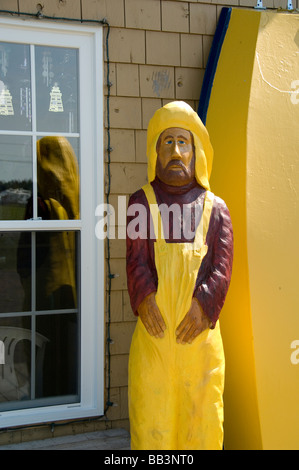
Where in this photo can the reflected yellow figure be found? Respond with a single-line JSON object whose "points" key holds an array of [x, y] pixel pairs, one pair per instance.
{"points": [[58, 177], [55, 254], [58, 187]]}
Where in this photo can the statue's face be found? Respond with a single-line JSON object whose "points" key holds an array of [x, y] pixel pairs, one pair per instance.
{"points": [[175, 162]]}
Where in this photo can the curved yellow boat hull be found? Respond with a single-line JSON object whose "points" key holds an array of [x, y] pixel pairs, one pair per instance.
{"points": [[253, 121]]}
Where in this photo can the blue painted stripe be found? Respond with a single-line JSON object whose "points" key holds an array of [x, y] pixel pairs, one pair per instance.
{"points": [[214, 55]]}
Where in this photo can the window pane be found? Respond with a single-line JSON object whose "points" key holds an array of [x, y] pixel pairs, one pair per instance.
{"points": [[15, 373], [15, 87], [58, 178], [56, 270], [15, 176], [56, 89], [56, 255], [57, 368], [39, 272], [15, 272], [56, 359]]}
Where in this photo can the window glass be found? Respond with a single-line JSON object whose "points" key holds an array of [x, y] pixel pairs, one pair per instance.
{"points": [[15, 87], [38, 275], [39, 180], [56, 359], [57, 178], [15, 333], [15, 272], [56, 89], [48, 77], [56, 270], [15, 176], [57, 370]]}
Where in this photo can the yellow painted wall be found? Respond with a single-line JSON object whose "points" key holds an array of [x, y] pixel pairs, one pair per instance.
{"points": [[253, 121]]}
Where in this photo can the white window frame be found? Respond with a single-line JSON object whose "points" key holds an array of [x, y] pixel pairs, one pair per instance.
{"points": [[89, 40]]}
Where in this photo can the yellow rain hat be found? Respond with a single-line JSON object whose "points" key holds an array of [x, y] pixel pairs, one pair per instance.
{"points": [[180, 114]]}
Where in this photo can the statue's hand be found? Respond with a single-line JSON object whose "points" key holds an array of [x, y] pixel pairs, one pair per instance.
{"points": [[151, 317], [194, 323]]}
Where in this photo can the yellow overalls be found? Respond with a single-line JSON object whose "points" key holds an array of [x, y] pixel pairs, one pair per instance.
{"points": [[175, 390]]}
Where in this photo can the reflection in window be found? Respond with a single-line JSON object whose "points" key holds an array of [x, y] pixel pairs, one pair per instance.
{"points": [[58, 374], [54, 272], [15, 273], [56, 89], [39, 274], [57, 179], [15, 87], [15, 373], [56, 358], [39, 269], [15, 176]]}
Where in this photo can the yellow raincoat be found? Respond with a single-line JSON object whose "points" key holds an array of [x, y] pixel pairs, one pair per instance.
{"points": [[175, 390]]}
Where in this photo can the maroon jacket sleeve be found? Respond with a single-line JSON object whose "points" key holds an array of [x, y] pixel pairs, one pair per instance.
{"points": [[215, 273], [141, 272]]}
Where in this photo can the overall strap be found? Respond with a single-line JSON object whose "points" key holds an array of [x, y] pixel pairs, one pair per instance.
{"points": [[203, 226], [154, 210]]}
